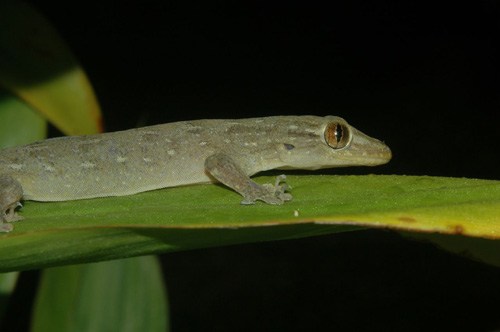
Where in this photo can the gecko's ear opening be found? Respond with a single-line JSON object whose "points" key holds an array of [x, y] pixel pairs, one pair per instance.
{"points": [[337, 135]]}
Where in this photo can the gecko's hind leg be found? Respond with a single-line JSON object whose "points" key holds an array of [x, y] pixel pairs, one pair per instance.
{"points": [[11, 193]]}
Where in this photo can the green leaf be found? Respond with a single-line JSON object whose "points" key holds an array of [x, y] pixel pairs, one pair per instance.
{"points": [[37, 66], [18, 123], [210, 215], [122, 295], [7, 284]]}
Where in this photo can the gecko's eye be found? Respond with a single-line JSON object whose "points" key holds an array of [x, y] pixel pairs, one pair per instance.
{"points": [[337, 135]]}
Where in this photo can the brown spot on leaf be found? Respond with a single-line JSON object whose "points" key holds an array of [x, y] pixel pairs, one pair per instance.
{"points": [[458, 229], [407, 219]]}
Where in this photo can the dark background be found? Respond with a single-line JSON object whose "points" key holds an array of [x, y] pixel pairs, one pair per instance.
{"points": [[419, 75]]}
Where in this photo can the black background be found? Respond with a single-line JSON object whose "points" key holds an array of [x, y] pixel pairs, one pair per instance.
{"points": [[419, 75]]}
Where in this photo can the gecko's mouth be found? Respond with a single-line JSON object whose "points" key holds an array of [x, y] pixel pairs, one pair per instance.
{"points": [[378, 157], [366, 151], [365, 158]]}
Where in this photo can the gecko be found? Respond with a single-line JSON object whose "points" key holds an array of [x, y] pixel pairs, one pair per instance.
{"points": [[178, 154]]}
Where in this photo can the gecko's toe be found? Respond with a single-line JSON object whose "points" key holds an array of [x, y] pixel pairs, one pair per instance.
{"points": [[279, 178], [13, 218], [247, 201], [5, 228], [286, 197], [285, 187]]}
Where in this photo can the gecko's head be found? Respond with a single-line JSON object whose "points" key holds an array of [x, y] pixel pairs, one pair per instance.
{"points": [[338, 144], [353, 147]]}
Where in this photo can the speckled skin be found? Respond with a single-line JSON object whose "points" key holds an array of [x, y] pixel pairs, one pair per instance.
{"points": [[176, 154]]}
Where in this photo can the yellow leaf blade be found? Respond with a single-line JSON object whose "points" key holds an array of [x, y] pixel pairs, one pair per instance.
{"points": [[37, 66]]}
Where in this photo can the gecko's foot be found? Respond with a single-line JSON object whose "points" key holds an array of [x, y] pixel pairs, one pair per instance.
{"points": [[272, 194], [14, 218], [11, 193], [5, 228], [8, 216], [11, 215]]}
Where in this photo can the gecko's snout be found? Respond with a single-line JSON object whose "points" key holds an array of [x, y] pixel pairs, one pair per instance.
{"points": [[380, 153], [386, 154]]}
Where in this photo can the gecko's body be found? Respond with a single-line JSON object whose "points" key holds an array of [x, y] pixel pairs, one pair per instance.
{"points": [[181, 153]]}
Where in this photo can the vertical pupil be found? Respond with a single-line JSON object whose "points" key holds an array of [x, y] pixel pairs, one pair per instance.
{"points": [[338, 133]]}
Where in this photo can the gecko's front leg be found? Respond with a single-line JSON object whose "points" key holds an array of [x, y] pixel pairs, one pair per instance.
{"points": [[11, 194], [226, 170]]}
